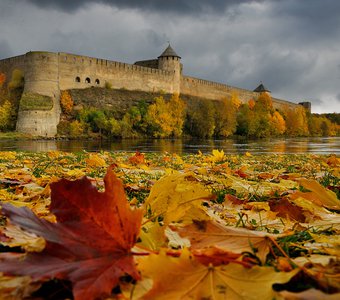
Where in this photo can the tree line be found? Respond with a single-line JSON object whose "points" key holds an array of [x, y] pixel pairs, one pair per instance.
{"points": [[175, 118]]}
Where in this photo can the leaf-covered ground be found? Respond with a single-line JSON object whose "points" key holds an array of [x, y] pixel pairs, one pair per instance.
{"points": [[190, 227]]}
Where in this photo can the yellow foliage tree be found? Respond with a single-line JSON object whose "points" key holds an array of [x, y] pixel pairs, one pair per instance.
{"points": [[66, 102], [296, 121], [235, 100], [278, 123], [251, 103], [5, 114], [177, 111], [166, 118], [225, 116], [76, 128]]}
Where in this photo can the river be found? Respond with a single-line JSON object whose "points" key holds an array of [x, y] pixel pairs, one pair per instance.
{"points": [[315, 145]]}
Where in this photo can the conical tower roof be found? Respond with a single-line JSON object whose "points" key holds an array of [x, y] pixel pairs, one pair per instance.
{"points": [[261, 88], [169, 52]]}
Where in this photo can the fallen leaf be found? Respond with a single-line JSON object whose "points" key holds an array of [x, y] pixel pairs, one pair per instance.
{"points": [[199, 281], [311, 294], [20, 238], [137, 159], [95, 160], [235, 240], [178, 197], [90, 244], [318, 194], [285, 209]]}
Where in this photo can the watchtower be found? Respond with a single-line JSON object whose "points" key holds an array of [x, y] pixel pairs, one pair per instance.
{"points": [[170, 61]]}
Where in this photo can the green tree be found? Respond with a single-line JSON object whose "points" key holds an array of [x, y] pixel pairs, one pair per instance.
{"points": [[200, 120]]}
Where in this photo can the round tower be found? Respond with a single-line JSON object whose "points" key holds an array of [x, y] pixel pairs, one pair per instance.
{"points": [[170, 61], [39, 109]]}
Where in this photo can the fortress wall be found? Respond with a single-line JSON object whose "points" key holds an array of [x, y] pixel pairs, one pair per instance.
{"points": [[78, 72], [212, 90], [283, 104], [9, 64]]}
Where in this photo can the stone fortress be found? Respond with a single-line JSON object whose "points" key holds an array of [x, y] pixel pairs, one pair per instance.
{"points": [[48, 73]]}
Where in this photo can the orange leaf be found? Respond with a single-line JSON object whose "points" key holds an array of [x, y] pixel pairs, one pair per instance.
{"points": [[137, 159], [285, 209], [230, 239], [90, 244]]}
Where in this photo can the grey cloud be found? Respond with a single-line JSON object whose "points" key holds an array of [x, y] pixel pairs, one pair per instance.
{"points": [[5, 49], [178, 6]]}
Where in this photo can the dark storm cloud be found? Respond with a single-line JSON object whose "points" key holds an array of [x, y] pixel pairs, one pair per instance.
{"points": [[290, 45], [178, 6], [312, 18]]}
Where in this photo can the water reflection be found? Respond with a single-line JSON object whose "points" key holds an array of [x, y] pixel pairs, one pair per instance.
{"points": [[292, 145]]}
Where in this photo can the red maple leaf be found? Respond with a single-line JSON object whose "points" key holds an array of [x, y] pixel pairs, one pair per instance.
{"points": [[90, 244]]}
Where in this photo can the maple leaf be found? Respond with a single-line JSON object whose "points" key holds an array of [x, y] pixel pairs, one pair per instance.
{"points": [[285, 209], [137, 159], [235, 240], [90, 244], [318, 194], [179, 198], [232, 281]]}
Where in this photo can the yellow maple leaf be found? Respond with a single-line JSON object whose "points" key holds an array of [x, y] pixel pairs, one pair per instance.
{"points": [[198, 281], [217, 155], [318, 194], [178, 197], [95, 160]]}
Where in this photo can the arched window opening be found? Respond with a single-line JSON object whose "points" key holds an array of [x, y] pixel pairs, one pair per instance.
{"points": [[77, 79], [88, 80], [97, 81]]}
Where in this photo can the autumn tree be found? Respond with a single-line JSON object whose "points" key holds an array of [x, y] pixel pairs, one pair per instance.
{"points": [[244, 117], [166, 118], [278, 124], [177, 111], [5, 115], [321, 126], [76, 128], [260, 124], [225, 117], [66, 102], [296, 121]]}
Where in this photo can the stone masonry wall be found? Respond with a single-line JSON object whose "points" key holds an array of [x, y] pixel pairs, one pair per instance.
{"points": [[82, 72]]}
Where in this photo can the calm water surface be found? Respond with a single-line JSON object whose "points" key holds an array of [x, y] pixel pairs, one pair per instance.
{"points": [[318, 145]]}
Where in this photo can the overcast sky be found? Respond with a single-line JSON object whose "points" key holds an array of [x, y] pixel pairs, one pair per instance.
{"points": [[292, 46]]}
